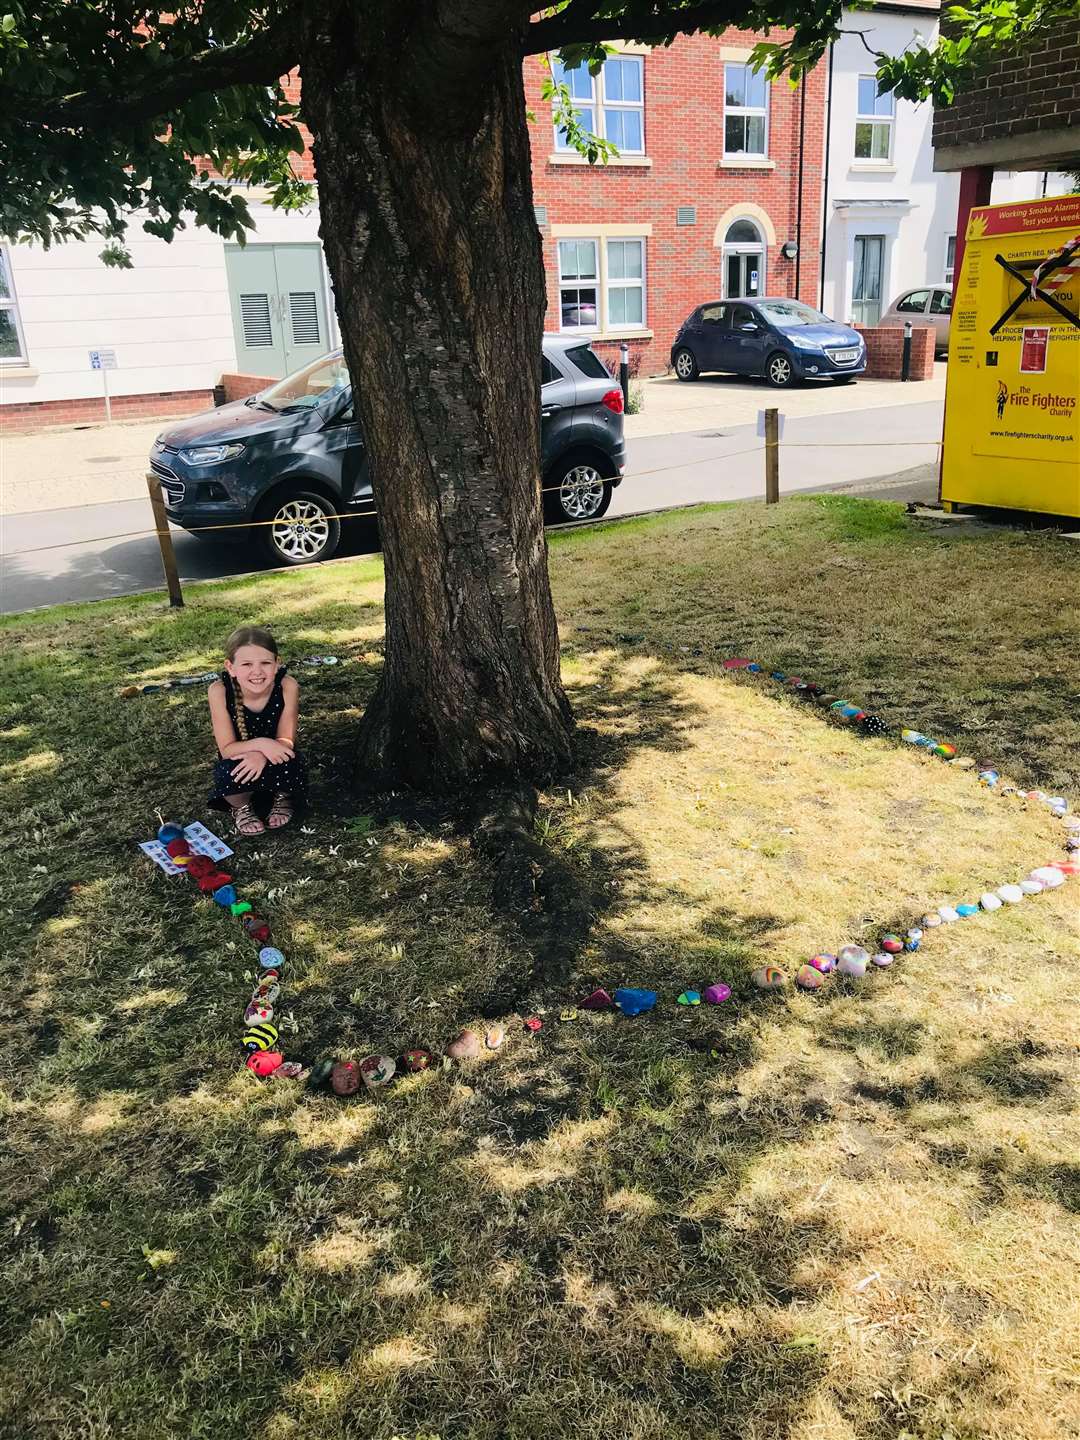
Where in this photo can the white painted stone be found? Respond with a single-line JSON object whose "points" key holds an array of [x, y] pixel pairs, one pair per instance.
{"points": [[1011, 894], [990, 901]]}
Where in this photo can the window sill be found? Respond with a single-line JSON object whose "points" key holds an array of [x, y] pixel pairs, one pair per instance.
{"points": [[18, 372], [879, 167], [751, 162], [609, 335], [617, 161]]}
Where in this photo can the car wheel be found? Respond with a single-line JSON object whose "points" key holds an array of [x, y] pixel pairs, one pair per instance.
{"points": [[302, 528], [574, 489], [779, 370], [686, 366]]}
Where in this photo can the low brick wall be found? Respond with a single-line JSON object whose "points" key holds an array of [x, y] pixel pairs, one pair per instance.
{"points": [[610, 351], [42, 414], [239, 387], [885, 352]]}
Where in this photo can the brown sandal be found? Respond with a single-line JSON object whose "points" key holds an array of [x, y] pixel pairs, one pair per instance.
{"points": [[246, 821], [281, 812]]}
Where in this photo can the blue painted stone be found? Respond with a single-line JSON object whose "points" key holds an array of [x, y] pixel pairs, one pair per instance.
{"points": [[778, 675], [271, 958], [634, 1002], [170, 831], [755, 668], [225, 896], [967, 910]]}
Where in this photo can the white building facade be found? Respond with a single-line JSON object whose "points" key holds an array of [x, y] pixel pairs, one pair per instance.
{"points": [[889, 221]]}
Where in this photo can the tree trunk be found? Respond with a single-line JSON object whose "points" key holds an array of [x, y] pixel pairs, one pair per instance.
{"points": [[422, 156]]}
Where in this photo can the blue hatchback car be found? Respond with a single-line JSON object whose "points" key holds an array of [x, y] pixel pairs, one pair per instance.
{"points": [[783, 340]]}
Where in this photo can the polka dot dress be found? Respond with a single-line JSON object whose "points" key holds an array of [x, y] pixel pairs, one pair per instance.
{"points": [[287, 778]]}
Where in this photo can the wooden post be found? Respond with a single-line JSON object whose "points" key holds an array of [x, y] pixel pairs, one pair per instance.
{"points": [[772, 457], [164, 535]]}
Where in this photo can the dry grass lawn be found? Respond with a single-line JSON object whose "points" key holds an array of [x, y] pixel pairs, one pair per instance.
{"points": [[847, 1216]]}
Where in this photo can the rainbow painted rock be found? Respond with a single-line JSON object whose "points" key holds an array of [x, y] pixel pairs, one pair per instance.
{"points": [[416, 1061], [769, 977], [598, 1000], [1011, 894], [264, 1062], [689, 997], [882, 959], [947, 752], [345, 1077], [808, 978], [260, 1036], [377, 1071], [825, 963], [271, 958], [258, 1013], [634, 1002], [967, 909], [892, 944], [948, 914], [852, 960], [465, 1047], [170, 831], [990, 901], [716, 994]]}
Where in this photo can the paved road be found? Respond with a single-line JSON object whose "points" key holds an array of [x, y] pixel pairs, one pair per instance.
{"points": [[81, 553]]}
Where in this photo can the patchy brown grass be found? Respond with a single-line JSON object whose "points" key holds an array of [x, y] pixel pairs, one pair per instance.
{"points": [[850, 1215]]}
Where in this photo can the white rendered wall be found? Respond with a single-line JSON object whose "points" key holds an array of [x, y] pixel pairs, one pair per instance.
{"points": [[167, 318]]}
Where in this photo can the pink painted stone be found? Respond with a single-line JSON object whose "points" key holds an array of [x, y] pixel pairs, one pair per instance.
{"points": [[737, 662], [809, 979], [716, 994], [892, 944], [465, 1047], [598, 1000]]}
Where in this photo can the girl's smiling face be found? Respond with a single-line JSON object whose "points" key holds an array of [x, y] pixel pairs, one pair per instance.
{"points": [[253, 668]]}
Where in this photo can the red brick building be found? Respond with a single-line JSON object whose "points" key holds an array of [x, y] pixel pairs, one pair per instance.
{"points": [[719, 174]]}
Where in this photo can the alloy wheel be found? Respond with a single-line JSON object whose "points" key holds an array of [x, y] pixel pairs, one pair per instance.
{"points": [[779, 370], [300, 530], [581, 493], [684, 365]]}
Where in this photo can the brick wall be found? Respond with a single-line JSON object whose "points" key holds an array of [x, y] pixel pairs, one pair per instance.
{"points": [[885, 352], [239, 387], [41, 414], [1022, 94], [684, 140]]}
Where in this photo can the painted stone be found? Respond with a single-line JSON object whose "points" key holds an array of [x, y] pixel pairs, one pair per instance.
{"points": [[320, 1072], [260, 1036], [967, 909], [948, 914], [990, 901], [264, 1062], [258, 1013], [1066, 867], [809, 979], [824, 962], [947, 752], [377, 1071], [170, 831], [913, 737], [778, 675], [1011, 894], [568, 1014], [178, 848], [416, 1061], [754, 668], [240, 907], [598, 1000], [1050, 876], [534, 1023], [634, 1002], [826, 698], [290, 1070], [225, 896], [769, 977], [989, 778], [199, 866], [931, 921], [892, 944], [912, 940], [1032, 887], [465, 1047], [882, 959], [345, 1077], [267, 992], [716, 994], [271, 958], [690, 997], [873, 725], [851, 712], [839, 705], [737, 662], [965, 762], [852, 960], [494, 1037]]}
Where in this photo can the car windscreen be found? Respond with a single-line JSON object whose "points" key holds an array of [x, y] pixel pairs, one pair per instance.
{"points": [[588, 362], [317, 386], [791, 312]]}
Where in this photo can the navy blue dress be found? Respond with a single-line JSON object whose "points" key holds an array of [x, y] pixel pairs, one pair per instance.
{"points": [[287, 778]]}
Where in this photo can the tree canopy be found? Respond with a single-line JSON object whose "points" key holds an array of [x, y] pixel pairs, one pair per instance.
{"points": [[107, 101]]}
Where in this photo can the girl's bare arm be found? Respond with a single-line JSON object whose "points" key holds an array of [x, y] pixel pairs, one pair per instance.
{"points": [[229, 747]]}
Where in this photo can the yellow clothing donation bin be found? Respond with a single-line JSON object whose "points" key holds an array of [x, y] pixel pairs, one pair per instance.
{"points": [[1012, 399]]}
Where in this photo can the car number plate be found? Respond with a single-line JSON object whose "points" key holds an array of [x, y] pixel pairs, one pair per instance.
{"points": [[844, 354]]}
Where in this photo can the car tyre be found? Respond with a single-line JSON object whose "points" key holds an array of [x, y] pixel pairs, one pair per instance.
{"points": [[575, 489], [304, 529], [686, 366], [779, 371]]}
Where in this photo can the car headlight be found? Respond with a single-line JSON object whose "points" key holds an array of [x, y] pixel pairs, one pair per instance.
{"points": [[210, 454], [803, 342]]}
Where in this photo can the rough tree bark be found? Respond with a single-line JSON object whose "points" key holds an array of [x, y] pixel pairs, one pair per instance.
{"points": [[422, 156]]}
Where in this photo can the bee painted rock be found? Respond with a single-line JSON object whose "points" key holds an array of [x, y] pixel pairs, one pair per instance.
{"points": [[892, 944], [416, 1060], [258, 1014], [260, 1036], [769, 977], [716, 994], [377, 1071], [809, 978], [264, 1062], [634, 1002], [825, 963], [345, 1078], [852, 960]]}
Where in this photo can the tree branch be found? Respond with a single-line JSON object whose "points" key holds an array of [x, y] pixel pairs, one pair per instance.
{"points": [[578, 24]]}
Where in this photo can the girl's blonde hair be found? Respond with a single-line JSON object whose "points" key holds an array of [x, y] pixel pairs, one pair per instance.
{"points": [[250, 635]]}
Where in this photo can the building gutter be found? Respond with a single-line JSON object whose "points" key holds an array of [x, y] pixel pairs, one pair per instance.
{"points": [[825, 183], [798, 208]]}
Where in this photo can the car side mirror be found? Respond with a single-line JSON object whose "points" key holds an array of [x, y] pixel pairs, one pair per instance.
{"points": [[749, 326]]}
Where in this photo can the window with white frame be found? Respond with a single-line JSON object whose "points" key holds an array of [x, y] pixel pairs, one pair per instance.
{"points": [[614, 99], [746, 112], [12, 345], [874, 121], [601, 284], [950, 259]]}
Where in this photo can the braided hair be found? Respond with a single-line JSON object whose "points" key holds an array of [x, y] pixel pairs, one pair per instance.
{"points": [[244, 635]]}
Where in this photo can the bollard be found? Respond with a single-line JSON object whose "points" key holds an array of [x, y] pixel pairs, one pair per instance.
{"points": [[624, 376], [905, 361], [164, 536], [772, 457]]}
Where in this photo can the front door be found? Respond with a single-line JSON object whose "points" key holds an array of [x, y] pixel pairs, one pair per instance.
{"points": [[866, 286], [742, 274], [277, 295]]}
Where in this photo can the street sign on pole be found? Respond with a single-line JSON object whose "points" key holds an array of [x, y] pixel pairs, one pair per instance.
{"points": [[104, 360]]}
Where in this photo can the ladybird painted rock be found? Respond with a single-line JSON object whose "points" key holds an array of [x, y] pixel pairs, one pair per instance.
{"points": [[716, 994], [415, 1061], [534, 1023], [769, 977], [260, 1036], [345, 1078], [808, 978], [465, 1047], [852, 960], [825, 963], [598, 1000], [892, 944], [377, 1071], [264, 1062]]}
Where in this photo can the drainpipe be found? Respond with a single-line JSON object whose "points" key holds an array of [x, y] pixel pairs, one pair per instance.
{"points": [[825, 184], [798, 209]]}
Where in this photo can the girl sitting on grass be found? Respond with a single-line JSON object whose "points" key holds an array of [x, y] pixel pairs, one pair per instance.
{"points": [[254, 709]]}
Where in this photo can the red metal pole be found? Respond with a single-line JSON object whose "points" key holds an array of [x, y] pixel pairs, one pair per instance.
{"points": [[975, 183]]}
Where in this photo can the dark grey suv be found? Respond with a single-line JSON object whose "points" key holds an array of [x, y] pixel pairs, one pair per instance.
{"points": [[294, 455]]}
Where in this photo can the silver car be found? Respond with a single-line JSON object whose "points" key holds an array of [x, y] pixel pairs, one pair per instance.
{"points": [[928, 305]]}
